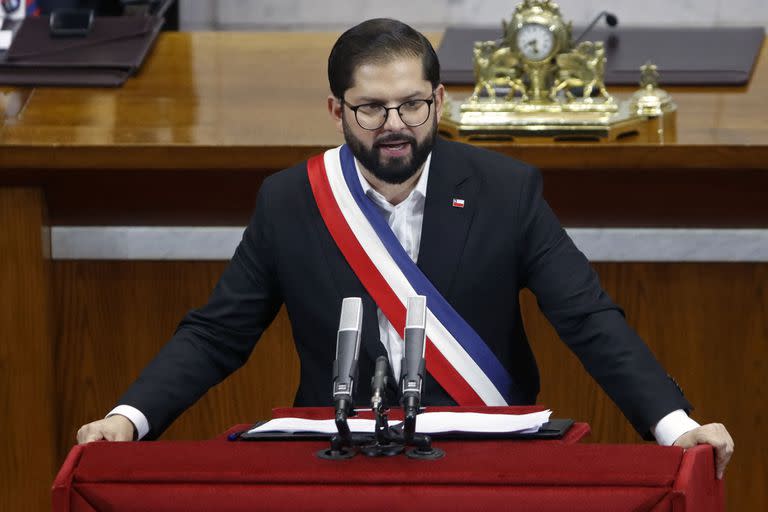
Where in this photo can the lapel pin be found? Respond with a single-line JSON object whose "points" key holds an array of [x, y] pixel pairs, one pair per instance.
{"points": [[457, 203]]}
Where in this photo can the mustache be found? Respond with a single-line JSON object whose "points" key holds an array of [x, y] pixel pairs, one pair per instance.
{"points": [[395, 138]]}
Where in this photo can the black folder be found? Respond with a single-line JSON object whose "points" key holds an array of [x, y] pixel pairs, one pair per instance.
{"points": [[684, 56], [553, 429], [113, 51]]}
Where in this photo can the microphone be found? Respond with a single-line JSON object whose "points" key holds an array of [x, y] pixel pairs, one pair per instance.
{"points": [[347, 353], [379, 382], [610, 19], [413, 361]]}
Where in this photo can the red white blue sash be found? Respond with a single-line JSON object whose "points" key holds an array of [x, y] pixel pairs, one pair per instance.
{"points": [[455, 355]]}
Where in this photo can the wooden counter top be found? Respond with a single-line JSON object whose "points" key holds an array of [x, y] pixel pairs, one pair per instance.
{"points": [[228, 100]]}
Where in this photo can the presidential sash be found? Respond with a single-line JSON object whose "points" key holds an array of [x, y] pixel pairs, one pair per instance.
{"points": [[456, 356]]}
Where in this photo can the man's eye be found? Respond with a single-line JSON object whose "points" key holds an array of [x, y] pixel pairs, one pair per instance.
{"points": [[411, 105], [370, 110]]}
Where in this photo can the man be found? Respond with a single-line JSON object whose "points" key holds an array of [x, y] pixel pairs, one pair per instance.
{"points": [[473, 220]]}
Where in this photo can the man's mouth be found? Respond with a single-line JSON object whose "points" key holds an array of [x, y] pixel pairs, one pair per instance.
{"points": [[395, 148]]}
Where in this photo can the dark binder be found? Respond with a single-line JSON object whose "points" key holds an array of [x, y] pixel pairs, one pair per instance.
{"points": [[684, 56], [113, 51], [553, 429]]}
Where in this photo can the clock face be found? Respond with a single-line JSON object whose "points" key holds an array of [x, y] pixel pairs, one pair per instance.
{"points": [[535, 41]]}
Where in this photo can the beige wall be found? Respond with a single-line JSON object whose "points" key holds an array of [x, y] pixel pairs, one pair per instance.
{"points": [[437, 14]]}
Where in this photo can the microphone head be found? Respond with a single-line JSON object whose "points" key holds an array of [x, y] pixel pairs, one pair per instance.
{"points": [[351, 318], [412, 371], [347, 349], [379, 381], [611, 19], [416, 312], [380, 371]]}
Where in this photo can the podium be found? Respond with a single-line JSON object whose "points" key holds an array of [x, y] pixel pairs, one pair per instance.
{"points": [[474, 475]]}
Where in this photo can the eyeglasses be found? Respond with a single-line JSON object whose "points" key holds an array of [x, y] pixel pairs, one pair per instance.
{"points": [[372, 116]]}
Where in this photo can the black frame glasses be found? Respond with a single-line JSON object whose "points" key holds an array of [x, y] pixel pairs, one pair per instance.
{"points": [[411, 103]]}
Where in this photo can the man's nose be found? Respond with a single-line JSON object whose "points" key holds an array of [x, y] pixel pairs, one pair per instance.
{"points": [[393, 122]]}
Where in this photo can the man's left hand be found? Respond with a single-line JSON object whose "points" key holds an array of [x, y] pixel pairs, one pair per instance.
{"points": [[714, 434]]}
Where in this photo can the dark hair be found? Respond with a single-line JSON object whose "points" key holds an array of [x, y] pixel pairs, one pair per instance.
{"points": [[378, 40]]}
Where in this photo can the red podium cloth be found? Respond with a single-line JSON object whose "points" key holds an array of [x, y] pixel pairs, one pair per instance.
{"points": [[495, 475]]}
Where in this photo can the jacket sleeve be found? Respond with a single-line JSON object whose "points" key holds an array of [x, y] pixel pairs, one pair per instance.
{"points": [[569, 294], [215, 340]]}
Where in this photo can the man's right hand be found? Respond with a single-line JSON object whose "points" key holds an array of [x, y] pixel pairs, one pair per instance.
{"points": [[114, 428]]}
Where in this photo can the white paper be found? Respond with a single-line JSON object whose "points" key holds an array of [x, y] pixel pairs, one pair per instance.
{"points": [[434, 422], [426, 423], [294, 425], [5, 38]]}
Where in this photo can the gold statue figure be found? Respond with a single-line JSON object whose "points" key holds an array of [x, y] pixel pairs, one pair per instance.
{"points": [[649, 76], [582, 67], [494, 67]]}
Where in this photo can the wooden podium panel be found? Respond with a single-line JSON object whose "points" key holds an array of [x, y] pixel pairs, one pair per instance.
{"points": [[27, 349]]}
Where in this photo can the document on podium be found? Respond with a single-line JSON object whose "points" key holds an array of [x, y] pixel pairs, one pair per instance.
{"points": [[436, 423]]}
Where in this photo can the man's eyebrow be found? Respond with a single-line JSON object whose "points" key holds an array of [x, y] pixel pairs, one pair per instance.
{"points": [[371, 99]]}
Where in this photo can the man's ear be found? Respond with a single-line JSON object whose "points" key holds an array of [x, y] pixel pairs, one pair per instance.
{"points": [[439, 98], [336, 110]]}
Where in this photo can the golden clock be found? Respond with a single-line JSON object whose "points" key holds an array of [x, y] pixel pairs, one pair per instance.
{"points": [[537, 34], [537, 84]]}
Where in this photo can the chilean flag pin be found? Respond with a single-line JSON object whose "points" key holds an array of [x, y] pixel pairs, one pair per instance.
{"points": [[457, 203]]}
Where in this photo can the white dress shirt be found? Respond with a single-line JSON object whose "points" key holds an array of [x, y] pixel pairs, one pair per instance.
{"points": [[406, 220]]}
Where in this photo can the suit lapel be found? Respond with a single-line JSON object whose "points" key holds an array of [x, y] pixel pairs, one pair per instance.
{"points": [[346, 282], [445, 226]]}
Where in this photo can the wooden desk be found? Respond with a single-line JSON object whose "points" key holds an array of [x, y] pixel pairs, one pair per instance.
{"points": [[220, 106], [188, 142]]}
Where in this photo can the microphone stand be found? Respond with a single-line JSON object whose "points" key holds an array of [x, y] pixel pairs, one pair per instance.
{"points": [[387, 441], [610, 19], [412, 373], [344, 437], [421, 443], [344, 379], [342, 443]]}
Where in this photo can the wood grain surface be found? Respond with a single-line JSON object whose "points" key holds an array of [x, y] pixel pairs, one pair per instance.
{"points": [[705, 323], [227, 100], [112, 319], [221, 111], [27, 405]]}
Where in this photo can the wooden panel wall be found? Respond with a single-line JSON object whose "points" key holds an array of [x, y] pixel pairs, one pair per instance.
{"points": [[112, 319], [708, 325], [705, 322], [27, 442]]}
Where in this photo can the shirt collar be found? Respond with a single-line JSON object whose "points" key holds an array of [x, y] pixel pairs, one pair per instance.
{"points": [[419, 189]]}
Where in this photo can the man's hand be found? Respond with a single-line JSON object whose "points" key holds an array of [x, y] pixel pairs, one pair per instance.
{"points": [[114, 428], [714, 434]]}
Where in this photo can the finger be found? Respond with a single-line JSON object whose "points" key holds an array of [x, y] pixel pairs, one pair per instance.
{"points": [[122, 435], [716, 435], [91, 435], [116, 434], [80, 436], [723, 456]]}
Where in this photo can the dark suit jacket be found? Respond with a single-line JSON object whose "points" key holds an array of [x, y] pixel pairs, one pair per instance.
{"points": [[479, 257]]}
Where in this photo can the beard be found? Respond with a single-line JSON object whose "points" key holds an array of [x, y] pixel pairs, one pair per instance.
{"points": [[395, 170]]}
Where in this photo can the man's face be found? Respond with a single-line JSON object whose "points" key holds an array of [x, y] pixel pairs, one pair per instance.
{"points": [[395, 151]]}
